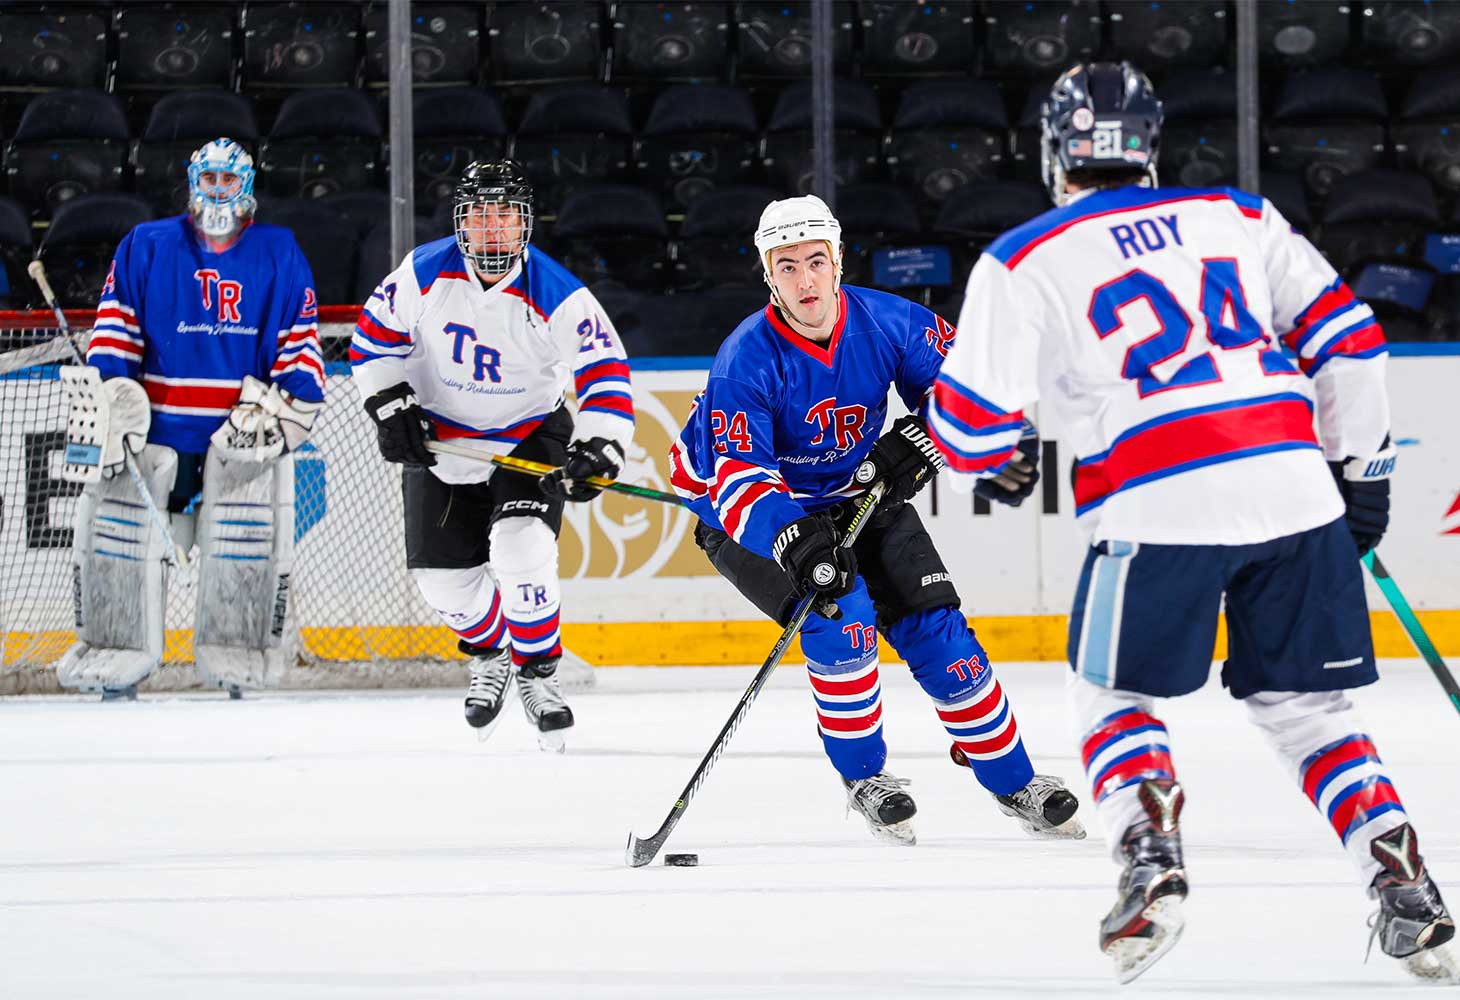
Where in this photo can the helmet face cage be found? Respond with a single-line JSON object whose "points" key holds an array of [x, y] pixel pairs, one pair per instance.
{"points": [[492, 215], [220, 209], [1100, 116]]}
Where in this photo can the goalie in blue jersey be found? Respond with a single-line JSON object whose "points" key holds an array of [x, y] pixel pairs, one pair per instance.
{"points": [[785, 432]]}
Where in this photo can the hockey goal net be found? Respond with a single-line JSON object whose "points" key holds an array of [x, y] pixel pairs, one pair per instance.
{"points": [[357, 619]]}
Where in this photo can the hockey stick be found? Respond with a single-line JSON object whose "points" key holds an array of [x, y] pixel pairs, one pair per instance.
{"points": [[37, 272], [1411, 624], [640, 852], [531, 468]]}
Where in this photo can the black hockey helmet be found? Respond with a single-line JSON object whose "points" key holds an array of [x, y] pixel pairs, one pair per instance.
{"points": [[492, 182], [1100, 116]]}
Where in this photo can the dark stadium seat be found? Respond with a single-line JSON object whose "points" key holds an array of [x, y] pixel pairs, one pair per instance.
{"points": [[975, 215], [1443, 313], [322, 141], [1199, 137], [1302, 33], [453, 127], [858, 123], [1024, 140], [295, 45], [614, 232], [773, 40], [171, 45], [363, 210], [698, 137], [670, 41], [83, 236], [904, 39], [1399, 294], [179, 124], [68, 143], [327, 239], [1039, 40], [445, 43], [572, 136], [541, 42], [375, 261], [1286, 193], [1378, 215], [1404, 33], [873, 217], [686, 324], [16, 289], [1157, 36], [51, 45], [716, 245], [1427, 136], [1326, 123], [945, 134]]}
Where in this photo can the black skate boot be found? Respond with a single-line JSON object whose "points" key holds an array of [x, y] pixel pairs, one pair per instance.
{"points": [[887, 809], [1412, 924], [1146, 920], [1045, 808], [542, 701], [127, 693], [487, 693]]}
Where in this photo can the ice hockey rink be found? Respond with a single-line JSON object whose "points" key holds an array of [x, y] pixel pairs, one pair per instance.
{"points": [[366, 845]]}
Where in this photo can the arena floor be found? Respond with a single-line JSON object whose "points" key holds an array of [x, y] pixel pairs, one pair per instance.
{"points": [[350, 846]]}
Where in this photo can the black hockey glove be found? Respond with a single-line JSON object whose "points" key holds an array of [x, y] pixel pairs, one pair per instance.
{"points": [[401, 425], [1015, 481], [807, 550], [905, 457], [594, 457], [1364, 485]]}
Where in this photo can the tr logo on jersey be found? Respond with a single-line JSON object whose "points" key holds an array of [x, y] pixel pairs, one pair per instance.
{"points": [[940, 335], [844, 423], [230, 293]]}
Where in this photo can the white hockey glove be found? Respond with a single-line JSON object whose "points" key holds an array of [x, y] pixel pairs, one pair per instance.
{"points": [[263, 424], [106, 421]]}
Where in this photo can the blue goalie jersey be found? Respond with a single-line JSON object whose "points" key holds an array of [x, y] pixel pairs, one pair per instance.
{"points": [[783, 422], [189, 324]]}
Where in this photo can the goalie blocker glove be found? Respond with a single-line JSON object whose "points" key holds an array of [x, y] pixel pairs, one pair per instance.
{"points": [[807, 550], [586, 459], [906, 458], [1016, 481], [1364, 485], [401, 425]]}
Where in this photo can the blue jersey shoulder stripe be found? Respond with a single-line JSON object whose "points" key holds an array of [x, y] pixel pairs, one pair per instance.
{"points": [[545, 283], [435, 258]]}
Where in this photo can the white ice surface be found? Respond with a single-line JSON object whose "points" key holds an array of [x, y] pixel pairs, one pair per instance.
{"points": [[365, 845]]}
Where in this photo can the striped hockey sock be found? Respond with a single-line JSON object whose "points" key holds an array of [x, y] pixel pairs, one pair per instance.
{"points": [[849, 715]]}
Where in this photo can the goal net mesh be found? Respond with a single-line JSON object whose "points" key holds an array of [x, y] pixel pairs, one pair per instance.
{"points": [[357, 618]]}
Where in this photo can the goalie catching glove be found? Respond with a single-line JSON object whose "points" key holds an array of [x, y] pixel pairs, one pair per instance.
{"points": [[263, 424], [401, 425], [1364, 485], [1017, 479], [595, 457], [905, 458]]}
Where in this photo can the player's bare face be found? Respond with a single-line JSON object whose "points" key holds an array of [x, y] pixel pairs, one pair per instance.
{"points": [[804, 277], [493, 229]]}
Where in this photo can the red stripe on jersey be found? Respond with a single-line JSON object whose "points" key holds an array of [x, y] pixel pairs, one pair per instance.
{"points": [[125, 346], [616, 403], [740, 509], [518, 292], [599, 370], [972, 413], [683, 481], [1365, 338], [208, 397]]}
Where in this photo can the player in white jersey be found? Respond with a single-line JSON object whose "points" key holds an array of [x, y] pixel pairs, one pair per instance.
{"points": [[476, 338], [1148, 321]]}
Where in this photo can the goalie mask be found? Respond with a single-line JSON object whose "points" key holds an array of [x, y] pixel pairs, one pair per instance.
{"points": [[1099, 117], [492, 214], [797, 220], [220, 188]]}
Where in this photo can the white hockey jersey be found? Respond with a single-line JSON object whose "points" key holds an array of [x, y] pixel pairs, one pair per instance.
{"points": [[1147, 319], [490, 363]]}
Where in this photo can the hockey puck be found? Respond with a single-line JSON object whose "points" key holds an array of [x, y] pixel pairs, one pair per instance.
{"points": [[681, 860]]}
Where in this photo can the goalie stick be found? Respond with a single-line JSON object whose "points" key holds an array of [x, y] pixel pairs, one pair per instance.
{"points": [[530, 468], [37, 272], [639, 852], [1411, 624]]}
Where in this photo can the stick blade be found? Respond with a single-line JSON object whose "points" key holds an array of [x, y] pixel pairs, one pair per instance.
{"points": [[639, 853]]}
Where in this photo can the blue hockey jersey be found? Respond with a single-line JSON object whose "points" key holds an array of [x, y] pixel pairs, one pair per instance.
{"points": [[784, 422], [189, 324]]}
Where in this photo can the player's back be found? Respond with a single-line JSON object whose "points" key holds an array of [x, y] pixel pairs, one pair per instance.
{"points": [[1159, 350]]}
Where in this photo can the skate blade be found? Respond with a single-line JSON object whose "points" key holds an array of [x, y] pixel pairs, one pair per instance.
{"points": [[1433, 965], [552, 742], [897, 834], [485, 733], [1070, 829], [1134, 955]]}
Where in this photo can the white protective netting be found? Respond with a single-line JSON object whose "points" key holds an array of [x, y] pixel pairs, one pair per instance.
{"points": [[357, 619]]}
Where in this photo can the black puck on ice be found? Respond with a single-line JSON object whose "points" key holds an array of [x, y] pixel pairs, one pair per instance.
{"points": [[681, 860]]}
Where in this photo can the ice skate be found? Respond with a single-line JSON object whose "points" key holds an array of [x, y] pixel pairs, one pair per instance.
{"points": [[542, 701], [887, 809], [488, 691], [1412, 924], [1045, 809], [125, 693], [1146, 921]]}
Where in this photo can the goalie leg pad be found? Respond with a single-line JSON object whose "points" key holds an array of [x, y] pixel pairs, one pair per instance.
{"points": [[118, 579], [245, 538], [524, 556]]}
